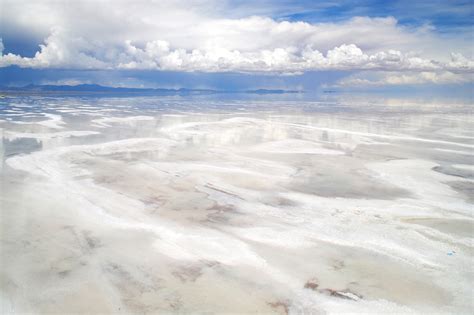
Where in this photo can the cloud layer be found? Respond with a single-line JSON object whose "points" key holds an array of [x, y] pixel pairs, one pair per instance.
{"points": [[195, 36], [382, 78]]}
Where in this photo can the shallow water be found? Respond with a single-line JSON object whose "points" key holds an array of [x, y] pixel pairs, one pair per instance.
{"points": [[207, 205]]}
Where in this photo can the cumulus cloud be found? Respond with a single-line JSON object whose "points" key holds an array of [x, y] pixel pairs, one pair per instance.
{"points": [[190, 36]]}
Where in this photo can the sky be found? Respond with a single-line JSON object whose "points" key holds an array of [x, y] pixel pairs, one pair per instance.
{"points": [[240, 44]]}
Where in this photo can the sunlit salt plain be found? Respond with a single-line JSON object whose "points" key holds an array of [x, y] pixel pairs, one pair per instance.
{"points": [[200, 205]]}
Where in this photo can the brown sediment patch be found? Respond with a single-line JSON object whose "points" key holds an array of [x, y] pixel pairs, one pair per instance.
{"points": [[64, 273], [108, 179], [153, 203], [117, 271], [83, 239], [285, 202], [136, 287], [313, 284], [188, 273], [91, 241], [211, 263], [280, 202], [191, 272], [219, 212], [338, 265], [343, 294], [175, 303], [280, 306]]}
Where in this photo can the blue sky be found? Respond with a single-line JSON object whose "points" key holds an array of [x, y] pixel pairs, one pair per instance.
{"points": [[237, 44], [446, 16]]}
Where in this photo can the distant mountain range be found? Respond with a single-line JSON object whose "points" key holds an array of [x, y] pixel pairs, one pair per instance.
{"points": [[95, 88]]}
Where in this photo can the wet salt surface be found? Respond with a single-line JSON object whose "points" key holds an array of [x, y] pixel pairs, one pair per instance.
{"points": [[190, 205]]}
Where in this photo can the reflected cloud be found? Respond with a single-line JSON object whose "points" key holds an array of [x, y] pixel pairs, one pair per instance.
{"points": [[178, 205]]}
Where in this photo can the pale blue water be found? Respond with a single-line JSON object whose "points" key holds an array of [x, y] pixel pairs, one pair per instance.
{"points": [[311, 203]]}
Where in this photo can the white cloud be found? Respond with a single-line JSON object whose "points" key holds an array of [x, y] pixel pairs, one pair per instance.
{"points": [[71, 81], [404, 78], [191, 36]]}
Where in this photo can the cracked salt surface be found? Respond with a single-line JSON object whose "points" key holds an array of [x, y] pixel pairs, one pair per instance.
{"points": [[230, 207]]}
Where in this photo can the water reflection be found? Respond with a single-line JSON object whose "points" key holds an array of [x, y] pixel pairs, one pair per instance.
{"points": [[187, 205]]}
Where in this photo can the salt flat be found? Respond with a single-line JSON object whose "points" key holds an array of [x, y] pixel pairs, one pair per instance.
{"points": [[196, 205]]}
